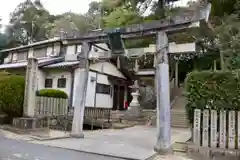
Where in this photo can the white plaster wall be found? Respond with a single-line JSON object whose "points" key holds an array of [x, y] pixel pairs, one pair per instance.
{"points": [[103, 100], [40, 79], [107, 68], [8, 58], [71, 49], [49, 50], [56, 50], [90, 97], [57, 47], [91, 89], [30, 53], [55, 75]]}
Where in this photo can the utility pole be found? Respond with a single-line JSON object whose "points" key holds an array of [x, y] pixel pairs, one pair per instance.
{"points": [[163, 96]]}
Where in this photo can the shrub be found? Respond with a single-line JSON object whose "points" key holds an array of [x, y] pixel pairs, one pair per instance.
{"points": [[12, 94], [52, 93], [217, 90]]}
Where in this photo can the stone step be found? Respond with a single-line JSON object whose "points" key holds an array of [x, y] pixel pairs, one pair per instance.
{"points": [[179, 126], [179, 116], [179, 119], [179, 147], [179, 123]]}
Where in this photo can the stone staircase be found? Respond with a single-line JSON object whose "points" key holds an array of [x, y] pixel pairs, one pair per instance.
{"points": [[178, 113]]}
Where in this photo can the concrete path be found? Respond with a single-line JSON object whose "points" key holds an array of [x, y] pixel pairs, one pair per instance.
{"points": [[130, 143], [12, 149]]}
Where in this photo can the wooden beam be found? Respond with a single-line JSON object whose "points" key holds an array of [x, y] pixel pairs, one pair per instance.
{"points": [[175, 24]]}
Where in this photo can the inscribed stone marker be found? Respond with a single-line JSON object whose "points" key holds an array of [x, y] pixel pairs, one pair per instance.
{"points": [[222, 131], [238, 129], [196, 127], [231, 130], [213, 128], [205, 135]]}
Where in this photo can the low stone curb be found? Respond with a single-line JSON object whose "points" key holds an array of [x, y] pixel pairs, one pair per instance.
{"points": [[200, 152], [21, 131], [49, 138]]}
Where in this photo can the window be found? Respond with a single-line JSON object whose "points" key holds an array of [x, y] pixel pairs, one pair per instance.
{"points": [[48, 83], [61, 83], [103, 88]]}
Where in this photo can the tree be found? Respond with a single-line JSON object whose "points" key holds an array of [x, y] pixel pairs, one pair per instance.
{"points": [[121, 17], [29, 22], [72, 23], [228, 41]]}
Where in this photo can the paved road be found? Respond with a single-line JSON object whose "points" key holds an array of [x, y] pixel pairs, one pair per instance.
{"points": [[21, 150]]}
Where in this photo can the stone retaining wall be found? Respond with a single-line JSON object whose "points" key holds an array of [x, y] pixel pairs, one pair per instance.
{"points": [[205, 153]]}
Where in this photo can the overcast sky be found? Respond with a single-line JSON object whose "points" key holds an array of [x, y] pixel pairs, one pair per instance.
{"points": [[54, 6]]}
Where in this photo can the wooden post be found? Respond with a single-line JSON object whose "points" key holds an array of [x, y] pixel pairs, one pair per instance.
{"points": [[176, 73], [163, 144], [78, 117], [214, 65], [125, 95]]}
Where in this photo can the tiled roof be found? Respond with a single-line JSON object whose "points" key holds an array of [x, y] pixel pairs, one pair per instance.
{"points": [[53, 40], [62, 64], [41, 61]]}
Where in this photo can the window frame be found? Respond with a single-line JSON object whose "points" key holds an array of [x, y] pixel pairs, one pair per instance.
{"points": [[103, 89], [45, 84], [59, 85]]}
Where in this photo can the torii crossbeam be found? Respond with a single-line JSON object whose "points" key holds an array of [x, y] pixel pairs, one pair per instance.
{"points": [[160, 29]]}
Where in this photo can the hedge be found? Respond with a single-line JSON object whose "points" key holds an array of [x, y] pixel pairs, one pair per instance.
{"points": [[54, 93], [11, 94], [214, 89]]}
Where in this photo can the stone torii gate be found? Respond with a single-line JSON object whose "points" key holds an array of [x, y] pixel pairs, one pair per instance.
{"points": [[160, 29]]}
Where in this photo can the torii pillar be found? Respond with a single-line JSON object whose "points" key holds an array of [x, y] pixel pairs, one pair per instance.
{"points": [[78, 117], [163, 145]]}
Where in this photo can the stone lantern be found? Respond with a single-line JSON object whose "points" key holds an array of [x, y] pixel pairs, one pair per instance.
{"points": [[134, 109]]}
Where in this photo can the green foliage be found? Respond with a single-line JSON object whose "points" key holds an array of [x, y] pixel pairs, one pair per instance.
{"points": [[121, 17], [228, 35], [11, 94], [216, 90], [54, 93], [221, 8], [30, 21]]}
